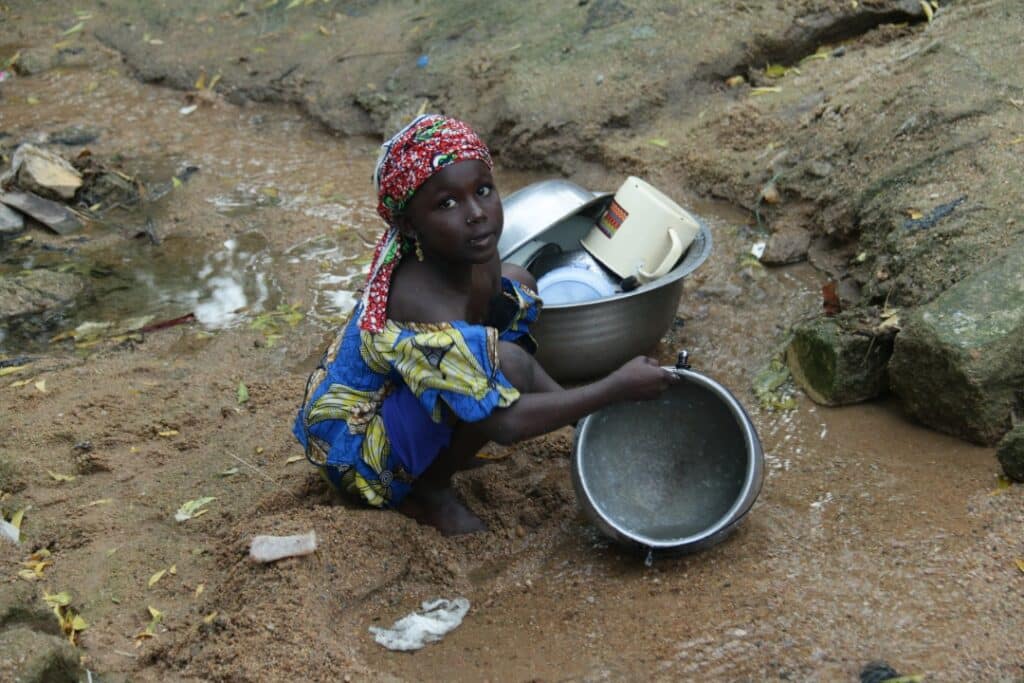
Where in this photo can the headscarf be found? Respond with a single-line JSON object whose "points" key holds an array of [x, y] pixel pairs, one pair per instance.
{"points": [[406, 161]]}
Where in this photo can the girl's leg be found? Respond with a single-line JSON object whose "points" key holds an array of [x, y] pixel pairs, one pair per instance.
{"points": [[432, 500]]}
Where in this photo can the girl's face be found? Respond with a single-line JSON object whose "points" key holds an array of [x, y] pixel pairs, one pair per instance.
{"points": [[456, 215]]}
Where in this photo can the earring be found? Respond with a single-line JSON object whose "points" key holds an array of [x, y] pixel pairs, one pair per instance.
{"points": [[419, 252]]}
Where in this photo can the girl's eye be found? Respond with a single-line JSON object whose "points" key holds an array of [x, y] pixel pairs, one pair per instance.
{"points": [[484, 190], [447, 203]]}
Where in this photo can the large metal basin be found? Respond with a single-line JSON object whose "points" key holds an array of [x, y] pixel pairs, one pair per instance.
{"points": [[672, 475], [590, 339]]}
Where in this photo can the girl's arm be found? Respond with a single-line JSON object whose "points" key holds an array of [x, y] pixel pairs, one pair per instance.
{"points": [[538, 413]]}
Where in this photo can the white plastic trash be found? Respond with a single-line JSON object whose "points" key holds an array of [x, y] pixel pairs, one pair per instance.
{"points": [[415, 630], [272, 548], [572, 285]]}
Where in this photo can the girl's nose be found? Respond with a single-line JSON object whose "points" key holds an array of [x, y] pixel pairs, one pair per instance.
{"points": [[475, 211]]}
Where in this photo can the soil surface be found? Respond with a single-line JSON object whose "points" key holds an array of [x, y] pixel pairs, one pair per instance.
{"points": [[873, 538]]}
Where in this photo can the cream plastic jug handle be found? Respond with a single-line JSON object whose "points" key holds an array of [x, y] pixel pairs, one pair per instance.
{"points": [[670, 259]]}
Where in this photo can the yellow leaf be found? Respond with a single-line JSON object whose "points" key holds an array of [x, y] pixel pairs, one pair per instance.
{"points": [[754, 92], [1002, 483], [259, 450], [243, 393], [74, 29], [16, 519], [173, 571], [294, 3], [61, 45], [1017, 141], [914, 214], [294, 458], [40, 554], [191, 508], [323, 31], [775, 71], [156, 577], [155, 613], [61, 477], [167, 433], [78, 623], [213, 82], [927, 8], [101, 501], [61, 599], [659, 142], [208, 619], [199, 589], [41, 385], [20, 383], [176, 181], [1020, 564], [11, 369], [28, 574]]}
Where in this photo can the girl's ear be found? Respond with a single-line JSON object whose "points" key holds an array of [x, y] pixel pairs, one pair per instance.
{"points": [[404, 226]]}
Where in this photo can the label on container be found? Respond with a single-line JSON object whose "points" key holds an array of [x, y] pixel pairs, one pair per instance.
{"points": [[612, 219]]}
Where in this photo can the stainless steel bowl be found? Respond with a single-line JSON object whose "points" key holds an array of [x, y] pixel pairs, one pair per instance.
{"points": [[672, 475], [532, 210]]}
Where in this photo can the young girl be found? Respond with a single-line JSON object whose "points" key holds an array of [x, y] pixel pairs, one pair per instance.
{"points": [[436, 359]]}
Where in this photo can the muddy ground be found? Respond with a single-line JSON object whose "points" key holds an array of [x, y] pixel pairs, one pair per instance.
{"points": [[873, 538]]}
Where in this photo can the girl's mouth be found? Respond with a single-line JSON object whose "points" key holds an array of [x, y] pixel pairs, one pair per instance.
{"points": [[482, 241]]}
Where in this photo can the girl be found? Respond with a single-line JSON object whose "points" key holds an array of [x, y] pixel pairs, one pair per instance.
{"points": [[436, 359]]}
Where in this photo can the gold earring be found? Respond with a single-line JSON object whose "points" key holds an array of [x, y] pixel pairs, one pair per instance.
{"points": [[419, 251]]}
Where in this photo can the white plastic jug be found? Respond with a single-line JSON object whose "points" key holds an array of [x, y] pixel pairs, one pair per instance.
{"points": [[641, 233]]}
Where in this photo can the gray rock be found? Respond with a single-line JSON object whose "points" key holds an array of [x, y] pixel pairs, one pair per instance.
{"points": [[45, 173], [838, 360], [959, 360], [789, 244], [820, 169], [11, 222], [51, 214], [1010, 453], [28, 656], [37, 291], [21, 605]]}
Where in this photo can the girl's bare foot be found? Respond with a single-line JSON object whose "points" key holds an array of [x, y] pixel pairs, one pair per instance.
{"points": [[441, 509]]}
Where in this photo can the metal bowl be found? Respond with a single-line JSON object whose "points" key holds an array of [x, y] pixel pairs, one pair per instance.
{"points": [[532, 210], [671, 475]]}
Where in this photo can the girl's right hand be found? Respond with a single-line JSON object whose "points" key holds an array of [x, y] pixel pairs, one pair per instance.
{"points": [[642, 379]]}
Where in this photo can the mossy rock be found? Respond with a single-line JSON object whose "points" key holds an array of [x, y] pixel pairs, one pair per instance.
{"points": [[1010, 453], [838, 361], [958, 362]]}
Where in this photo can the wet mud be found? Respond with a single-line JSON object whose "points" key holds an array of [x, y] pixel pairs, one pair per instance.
{"points": [[873, 538]]}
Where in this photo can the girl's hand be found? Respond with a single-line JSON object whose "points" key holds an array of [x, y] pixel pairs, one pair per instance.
{"points": [[642, 379]]}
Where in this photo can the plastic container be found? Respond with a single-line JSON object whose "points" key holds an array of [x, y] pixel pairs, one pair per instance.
{"points": [[572, 285]]}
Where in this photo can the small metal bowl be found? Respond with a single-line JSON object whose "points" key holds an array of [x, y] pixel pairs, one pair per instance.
{"points": [[672, 475]]}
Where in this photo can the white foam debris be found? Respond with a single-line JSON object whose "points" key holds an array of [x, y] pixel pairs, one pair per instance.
{"points": [[272, 548], [415, 630], [757, 249], [9, 531]]}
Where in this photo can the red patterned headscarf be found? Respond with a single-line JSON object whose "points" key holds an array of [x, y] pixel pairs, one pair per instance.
{"points": [[406, 161]]}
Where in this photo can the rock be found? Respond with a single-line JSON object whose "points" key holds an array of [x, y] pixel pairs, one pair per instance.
{"points": [[44, 173], [1010, 453], [35, 61], [11, 222], [838, 361], [29, 656], [787, 245], [37, 291], [51, 214], [819, 169], [959, 360], [74, 136], [21, 605], [770, 194]]}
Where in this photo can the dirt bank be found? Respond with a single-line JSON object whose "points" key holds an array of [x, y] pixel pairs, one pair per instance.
{"points": [[873, 538]]}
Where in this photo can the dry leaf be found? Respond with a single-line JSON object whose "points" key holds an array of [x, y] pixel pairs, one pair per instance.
{"points": [[243, 393], [914, 214], [735, 81], [208, 619], [61, 599], [173, 570], [927, 8], [156, 577], [754, 92], [229, 472], [61, 477], [41, 385], [294, 458], [11, 369], [775, 71], [167, 433], [101, 501], [74, 29], [20, 383], [199, 590], [191, 508], [1020, 564], [16, 519]]}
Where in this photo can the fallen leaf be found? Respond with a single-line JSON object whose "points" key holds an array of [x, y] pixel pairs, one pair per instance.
{"points": [[213, 82], [1017, 141], [168, 432], [28, 575], [61, 599], [155, 613], [101, 501], [191, 508], [20, 383], [156, 577], [323, 30], [74, 29], [208, 619], [927, 8], [199, 590], [735, 81], [1020, 564], [173, 570], [259, 450], [176, 182], [61, 477], [1002, 484], [11, 369], [754, 92], [243, 393], [658, 142], [16, 519], [775, 71], [294, 458], [914, 214], [229, 472]]}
